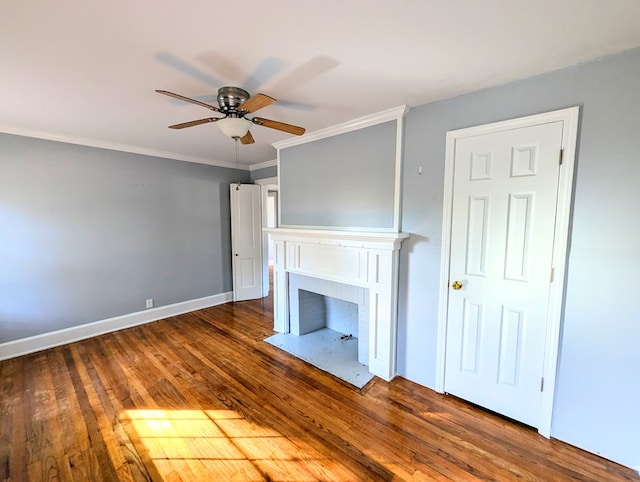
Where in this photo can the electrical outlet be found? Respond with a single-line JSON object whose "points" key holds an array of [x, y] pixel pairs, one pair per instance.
{"points": [[150, 303]]}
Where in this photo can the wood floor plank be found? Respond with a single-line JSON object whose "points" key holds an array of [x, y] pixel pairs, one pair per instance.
{"points": [[375, 430], [200, 396], [13, 422], [315, 401], [245, 397], [107, 408], [96, 459]]}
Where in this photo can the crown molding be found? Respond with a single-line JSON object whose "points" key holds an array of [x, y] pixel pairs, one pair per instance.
{"points": [[395, 113], [263, 165], [114, 146]]}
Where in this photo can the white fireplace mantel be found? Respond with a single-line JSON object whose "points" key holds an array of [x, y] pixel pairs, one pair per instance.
{"points": [[367, 259]]}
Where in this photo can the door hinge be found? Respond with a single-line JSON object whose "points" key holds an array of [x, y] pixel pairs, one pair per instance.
{"points": [[553, 272], [542, 384], [561, 156]]}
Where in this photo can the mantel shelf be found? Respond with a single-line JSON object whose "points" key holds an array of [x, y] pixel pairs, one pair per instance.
{"points": [[378, 240]]}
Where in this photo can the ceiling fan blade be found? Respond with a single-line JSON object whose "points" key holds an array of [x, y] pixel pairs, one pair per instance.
{"points": [[195, 123], [281, 126], [187, 99], [256, 102], [247, 138]]}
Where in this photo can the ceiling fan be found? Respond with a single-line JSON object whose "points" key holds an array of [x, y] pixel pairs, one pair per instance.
{"points": [[234, 104]]}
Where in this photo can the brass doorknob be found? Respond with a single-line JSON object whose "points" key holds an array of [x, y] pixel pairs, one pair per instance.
{"points": [[456, 285]]}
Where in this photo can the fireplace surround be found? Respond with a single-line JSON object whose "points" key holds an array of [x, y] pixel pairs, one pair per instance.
{"points": [[363, 259]]}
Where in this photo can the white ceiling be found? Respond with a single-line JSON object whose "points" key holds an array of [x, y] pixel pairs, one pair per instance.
{"points": [[87, 70]]}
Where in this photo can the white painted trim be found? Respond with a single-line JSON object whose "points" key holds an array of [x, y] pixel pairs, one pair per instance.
{"points": [[114, 146], [264, 190], [397, 197], [528, 121], [37, 343], [347, 229], [369, 240], [266, 185], [263, 165], [395, 113], [268, 181], [445, 255], [279, 222], [560, 253], [369, 260], [397, 188], [570, 118]]}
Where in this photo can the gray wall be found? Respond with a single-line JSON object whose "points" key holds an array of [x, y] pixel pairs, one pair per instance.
{"points": [[88, 234], [343, 181], [598, 392], [264, 173]]}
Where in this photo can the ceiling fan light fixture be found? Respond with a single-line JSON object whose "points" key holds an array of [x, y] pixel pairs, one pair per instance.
{"points": [[234, 127]]}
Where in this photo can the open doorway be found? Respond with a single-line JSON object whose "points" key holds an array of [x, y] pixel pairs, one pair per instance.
{"points": [[272, 220], [269, 187]]}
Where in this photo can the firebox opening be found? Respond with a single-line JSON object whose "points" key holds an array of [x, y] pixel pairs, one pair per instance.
{"points": [[329, 327]]}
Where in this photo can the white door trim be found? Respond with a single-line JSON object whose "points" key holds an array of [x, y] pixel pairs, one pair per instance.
{"points": [[267, 181], [264, 192], [267, 184], [570, 118]]}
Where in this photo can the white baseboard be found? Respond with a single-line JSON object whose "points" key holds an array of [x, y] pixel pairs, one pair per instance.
{"points": [[36, 343]]}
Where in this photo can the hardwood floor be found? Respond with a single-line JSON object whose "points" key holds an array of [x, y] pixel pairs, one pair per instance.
{"points": [[201, 397]]}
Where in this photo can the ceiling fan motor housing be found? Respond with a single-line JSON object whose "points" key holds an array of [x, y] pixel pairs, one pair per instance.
{"points": [[231, 98]]}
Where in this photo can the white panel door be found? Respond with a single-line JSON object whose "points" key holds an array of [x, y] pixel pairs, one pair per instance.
{"points": [[502, 234], [246, 240]]}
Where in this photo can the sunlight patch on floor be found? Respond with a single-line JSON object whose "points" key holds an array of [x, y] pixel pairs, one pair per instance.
{"points": [[221, 445]]}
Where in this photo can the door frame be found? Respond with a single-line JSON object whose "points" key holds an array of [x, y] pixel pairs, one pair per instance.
{"points": [[570, 118], [267, 184]]}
